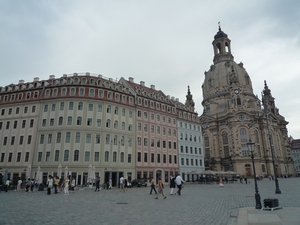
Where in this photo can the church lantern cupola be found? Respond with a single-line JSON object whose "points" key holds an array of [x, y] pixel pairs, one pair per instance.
{"points": [[222, 49]]}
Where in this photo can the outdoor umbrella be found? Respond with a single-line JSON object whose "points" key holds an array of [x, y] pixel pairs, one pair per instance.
{"points": [[90, 175], [209, 172], [28, 171], [66, 171], [59, 170]]}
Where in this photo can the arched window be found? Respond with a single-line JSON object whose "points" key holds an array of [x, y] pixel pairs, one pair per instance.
{"points": [[56, 156], [108, 123], [79, 119], [123, 125], [80, 106], [115, 157], [225, 137], [263, 168], [60, 120], [238, 101], [122, 141], [77, 139], [129, 142], [81, 91], [108, 110], [107, 139], [243, 134], [106, 156], [76, 155], [123, 112], [116, 124], [66, 155], [71, 105], [115, 140], [58, 137], [68, 137], [206, 140], [70, 120], [62, 106], [116, 111]]}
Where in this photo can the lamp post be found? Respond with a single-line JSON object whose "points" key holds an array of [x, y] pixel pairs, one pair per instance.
{"points": [[277, 190], [251, 146]]}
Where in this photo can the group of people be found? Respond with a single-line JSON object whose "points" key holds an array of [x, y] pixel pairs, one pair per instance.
{"points": [[60, 184], [174, 181]]}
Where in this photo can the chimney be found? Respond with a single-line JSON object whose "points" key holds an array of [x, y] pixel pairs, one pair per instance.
{"points": [[87, 74], [152, 87], [173, 98], [142, 83], [65, 75], [75, 74], [100, 75], [21, 81], [51, 77], [131, 80], [168, 96], [36, 79]]}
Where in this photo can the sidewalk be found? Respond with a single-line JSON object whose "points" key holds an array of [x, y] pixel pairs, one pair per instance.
{"points": [[284, 216]]}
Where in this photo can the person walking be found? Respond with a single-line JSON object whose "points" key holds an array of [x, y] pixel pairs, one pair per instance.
{"points": [[160, 189], [50, 185], [125, 184], [73, 183], [179, 183], [19, 184], [32, 185], [97, 183], [66, 184], [152, 186], [7, 185], [55, 183], [122, 184], [110, 184], [172, 185]]}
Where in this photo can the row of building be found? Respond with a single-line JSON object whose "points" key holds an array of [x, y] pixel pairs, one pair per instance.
{"points": [[86, 125]]}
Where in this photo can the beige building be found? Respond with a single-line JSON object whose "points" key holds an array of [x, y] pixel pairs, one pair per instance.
{"points": [[233, 115]]}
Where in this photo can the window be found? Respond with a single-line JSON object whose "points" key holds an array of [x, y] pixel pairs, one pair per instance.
{"points": [[98, 122], [12, 141], [123, 125], [158, 158], [130, 114], [89, 122], [99, 108], [71, 105], [5, 141], [68, 137], [26, 156], [170, 158], [152, 157], [116, 111], [145, 141], [129, 158], [79, 119], [51, 122], [31, 123], [66, 155], [60, 121], [97, 139], [108, 123], [115, 140], [42, 139], [164, 158], [182, 161], [56, 156], [2, 157], [107, 139], [40, 157], [187, 162], [76, 155], [8, 123], [69, 120], [80, 106], [17, 110], [15, 124], [87, 156], [53, 107], [88, 138], [29, 139], [114, 156], [122, 141], [77, 137], [108, 110], [21, 140], [106, 156], [62, 106], [47, 157], [122, 157], [49, 138], [91, 107], [81, 91], [116, 124], [25, 109], [139, 127], [96, 157], [139, 141], [123, 112]]}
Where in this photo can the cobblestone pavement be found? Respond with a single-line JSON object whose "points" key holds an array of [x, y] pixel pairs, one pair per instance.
{"points": [[198, 204]]}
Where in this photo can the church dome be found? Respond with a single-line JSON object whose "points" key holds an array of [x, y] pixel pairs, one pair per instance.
{"points": [[220, 34]]}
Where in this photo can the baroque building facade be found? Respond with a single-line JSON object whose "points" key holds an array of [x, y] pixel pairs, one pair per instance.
{"points": [[233, 115], [86, 126]]}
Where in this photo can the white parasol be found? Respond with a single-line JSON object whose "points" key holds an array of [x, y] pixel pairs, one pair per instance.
{"points": [[59, 170], [28, 171], [66, 171]]}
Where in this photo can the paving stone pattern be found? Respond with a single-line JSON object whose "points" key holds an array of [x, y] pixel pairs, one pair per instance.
{"points": [[198, 204]]}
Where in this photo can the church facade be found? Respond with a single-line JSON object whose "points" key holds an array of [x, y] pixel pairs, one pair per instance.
{"points": [[233, 115]]}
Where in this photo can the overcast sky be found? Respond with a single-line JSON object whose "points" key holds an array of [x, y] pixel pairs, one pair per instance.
{"points": [[164, 43]]}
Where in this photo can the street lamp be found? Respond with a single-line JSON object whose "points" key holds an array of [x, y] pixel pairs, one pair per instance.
{"points": [[251, 146]]}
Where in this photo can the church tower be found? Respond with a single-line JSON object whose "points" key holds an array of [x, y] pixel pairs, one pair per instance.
{"points": [[232, 115]]}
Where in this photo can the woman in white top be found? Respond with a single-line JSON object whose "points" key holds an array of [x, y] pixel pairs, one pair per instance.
{"points": [[66, 189], [50, 185]]}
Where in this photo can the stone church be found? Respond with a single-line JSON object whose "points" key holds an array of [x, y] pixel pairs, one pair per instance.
{"points": [[232, 115]]}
